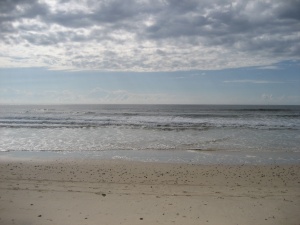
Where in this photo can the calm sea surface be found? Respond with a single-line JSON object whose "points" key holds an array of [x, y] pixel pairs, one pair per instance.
{"points": [[83, 129]]}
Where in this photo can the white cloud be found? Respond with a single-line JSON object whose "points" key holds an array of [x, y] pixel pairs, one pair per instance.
{"points": [[267, 97], [270, 67], [100, 95], [148, 35], [253, 81]]}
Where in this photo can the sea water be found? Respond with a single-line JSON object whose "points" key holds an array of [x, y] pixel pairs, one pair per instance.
{"points": [[194, 133]]}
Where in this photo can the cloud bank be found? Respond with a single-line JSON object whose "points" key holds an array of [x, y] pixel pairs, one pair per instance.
{"points": [[95, 96], [148, 35]]}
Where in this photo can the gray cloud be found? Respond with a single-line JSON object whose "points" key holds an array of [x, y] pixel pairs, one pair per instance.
{"points": [[13, 10], [150, 35]]}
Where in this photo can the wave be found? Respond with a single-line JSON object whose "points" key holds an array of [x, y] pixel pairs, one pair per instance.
{"points": [[166, 119], [141, 125]]}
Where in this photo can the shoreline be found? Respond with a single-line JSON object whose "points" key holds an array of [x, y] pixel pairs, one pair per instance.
{"points": [[211, 157], [92, 191]]}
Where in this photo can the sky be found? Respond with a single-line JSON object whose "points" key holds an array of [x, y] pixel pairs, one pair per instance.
{"points": [[149, 52]]}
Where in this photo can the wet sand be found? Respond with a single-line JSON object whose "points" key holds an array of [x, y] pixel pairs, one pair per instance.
{"points": [[38, 192]]}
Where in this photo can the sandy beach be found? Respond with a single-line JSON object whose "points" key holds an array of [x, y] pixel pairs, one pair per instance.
{"points": [[40, 192]]}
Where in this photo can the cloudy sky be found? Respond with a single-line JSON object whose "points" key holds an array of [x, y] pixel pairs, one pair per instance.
{"points": [[150, 51]]}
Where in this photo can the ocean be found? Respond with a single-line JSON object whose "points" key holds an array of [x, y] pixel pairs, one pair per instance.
{"points": [[176, 133]]}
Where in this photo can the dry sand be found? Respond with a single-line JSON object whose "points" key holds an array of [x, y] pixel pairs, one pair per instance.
{"points": [[62, 192]]}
